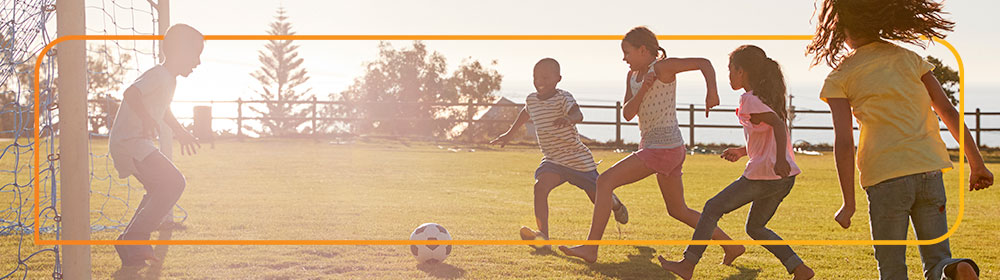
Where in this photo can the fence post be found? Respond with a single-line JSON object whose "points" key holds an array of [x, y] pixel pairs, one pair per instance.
{"points": [[314, 116], [239, 117], [618, 124], [691, 125], [979, 141], [790, 116]]}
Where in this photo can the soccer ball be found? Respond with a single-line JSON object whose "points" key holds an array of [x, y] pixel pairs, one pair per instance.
{"points": [[430, 253]]}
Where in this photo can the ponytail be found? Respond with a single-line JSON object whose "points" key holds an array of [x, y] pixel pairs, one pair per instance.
{"points": [[643, 37], [764, 77]]}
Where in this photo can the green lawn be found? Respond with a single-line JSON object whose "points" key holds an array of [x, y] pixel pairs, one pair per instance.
{"points": [[306, 189]]}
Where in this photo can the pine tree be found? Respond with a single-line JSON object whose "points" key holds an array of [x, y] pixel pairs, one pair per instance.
{"points": [[280, 76]]}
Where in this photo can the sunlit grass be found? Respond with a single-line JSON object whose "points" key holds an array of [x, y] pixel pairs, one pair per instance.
{"points": [[306, 189]]}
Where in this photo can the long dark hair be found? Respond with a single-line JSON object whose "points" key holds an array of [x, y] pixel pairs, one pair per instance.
{"points": [[643, 37], [898, 20], [763, 75]]}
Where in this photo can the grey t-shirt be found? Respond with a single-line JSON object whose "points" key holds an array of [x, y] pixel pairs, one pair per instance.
{"points": [[127, 144]]}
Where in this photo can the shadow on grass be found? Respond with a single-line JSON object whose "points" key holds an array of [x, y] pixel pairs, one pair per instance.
{"points": [[745, 273], [442, 270], [638, 266], [127, 272]]}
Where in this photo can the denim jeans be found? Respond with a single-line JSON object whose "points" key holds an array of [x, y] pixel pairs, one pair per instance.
{"points": [[164, 185], [892, 204], [766, 195]]}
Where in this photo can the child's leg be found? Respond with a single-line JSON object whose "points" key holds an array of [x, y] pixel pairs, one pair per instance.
{"points": [[772, 193], [672, 190], [733, 197], [125, 253], [164, 185], [544, 183], [889, 206], [587, 181], [930, 221], [628, 170], [142, 204]]}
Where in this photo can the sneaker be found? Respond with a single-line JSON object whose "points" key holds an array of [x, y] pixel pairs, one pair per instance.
{"points": [[530, 234], [621, 214], [126, 253]]}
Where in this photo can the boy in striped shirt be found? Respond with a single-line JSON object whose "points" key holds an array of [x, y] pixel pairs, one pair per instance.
{"points": [[566, 159]]}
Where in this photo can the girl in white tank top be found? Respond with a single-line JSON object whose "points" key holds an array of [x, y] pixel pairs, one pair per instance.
{"points": [[658, 113], [661, 151]]}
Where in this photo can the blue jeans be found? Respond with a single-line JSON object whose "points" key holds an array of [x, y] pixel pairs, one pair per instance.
{"points": [[766, 195], [892, 204], [164, 185]]}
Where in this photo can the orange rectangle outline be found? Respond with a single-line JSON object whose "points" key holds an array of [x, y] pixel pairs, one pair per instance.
{"points": [[41, 55]]}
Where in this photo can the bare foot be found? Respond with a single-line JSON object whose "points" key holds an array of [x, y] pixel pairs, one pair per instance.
{"points": [[732, 252], [683, 268], [803, 272], [586, 252]]}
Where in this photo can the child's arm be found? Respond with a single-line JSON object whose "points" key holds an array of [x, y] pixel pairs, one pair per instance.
{"points": [[188, 141], [522, 118], [980, 177], [133, 97], [781, 166], [668, 69], [843, 149], [628, 88], [574, 116], [633, 101], [734, 154]]}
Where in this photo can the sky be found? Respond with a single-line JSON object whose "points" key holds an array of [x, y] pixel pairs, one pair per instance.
{"points": [[592, 70]]}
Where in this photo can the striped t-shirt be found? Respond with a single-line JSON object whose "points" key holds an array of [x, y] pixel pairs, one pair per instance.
{"points": [[560, 145]]}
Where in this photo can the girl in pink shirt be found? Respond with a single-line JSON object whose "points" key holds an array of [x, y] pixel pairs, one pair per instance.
{"points": [[770, 172]]}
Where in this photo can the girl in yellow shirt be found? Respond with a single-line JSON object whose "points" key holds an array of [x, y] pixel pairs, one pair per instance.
{"points": [[901, 156]]}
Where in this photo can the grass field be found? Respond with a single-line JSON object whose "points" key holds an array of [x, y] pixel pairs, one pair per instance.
{"points": [[306, 189]]}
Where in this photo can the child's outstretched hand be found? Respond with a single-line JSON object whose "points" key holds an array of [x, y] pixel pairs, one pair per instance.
{"points": [[501, 140], [189, 144], [844, 215], [734, 154], [981, 178], [781, 168]]}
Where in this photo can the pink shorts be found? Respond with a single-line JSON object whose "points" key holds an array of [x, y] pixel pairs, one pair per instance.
{"points": [[663, 161]]}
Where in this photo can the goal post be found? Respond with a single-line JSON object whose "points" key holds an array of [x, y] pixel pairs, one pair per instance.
{"points": [[74, 142]]}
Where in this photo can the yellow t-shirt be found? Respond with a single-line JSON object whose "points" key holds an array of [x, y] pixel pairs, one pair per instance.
{"points": [[899, 130]]}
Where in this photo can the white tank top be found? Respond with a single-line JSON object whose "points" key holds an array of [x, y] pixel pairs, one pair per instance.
{"points": [[658, 114]]}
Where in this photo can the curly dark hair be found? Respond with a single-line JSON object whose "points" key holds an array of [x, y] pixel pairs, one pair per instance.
{"points": [[896, 20]]}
